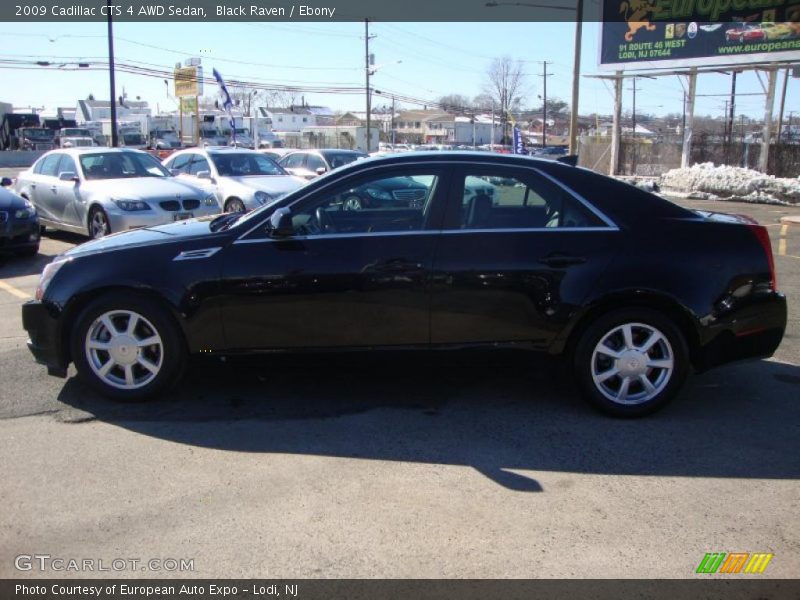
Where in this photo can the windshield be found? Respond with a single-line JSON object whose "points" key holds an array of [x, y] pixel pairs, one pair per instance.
{"points": [[76, 133], [208, 133], [241, 131], [340, 159], [39, 134], [165, 134], [121, 165], [245, 164]]}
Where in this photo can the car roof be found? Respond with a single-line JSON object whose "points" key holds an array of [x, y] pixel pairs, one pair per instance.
{"points": [[96, 150]]}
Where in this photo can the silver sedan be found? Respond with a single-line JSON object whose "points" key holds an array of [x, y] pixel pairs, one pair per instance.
{"points": [[97, 191]]}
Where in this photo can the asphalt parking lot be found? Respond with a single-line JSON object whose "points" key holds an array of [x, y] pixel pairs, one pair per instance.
{"points": [[384, 465]]}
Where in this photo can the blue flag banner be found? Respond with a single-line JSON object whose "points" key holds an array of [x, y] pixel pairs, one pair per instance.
{"points": [[227, 103], [519, 146]]}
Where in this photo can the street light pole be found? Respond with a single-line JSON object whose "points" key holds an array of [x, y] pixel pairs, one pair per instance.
{"points": [[114, 139]]}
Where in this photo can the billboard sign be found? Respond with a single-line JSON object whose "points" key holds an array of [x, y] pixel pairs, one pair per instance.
{"points": [[648, 34], [188, 81]]}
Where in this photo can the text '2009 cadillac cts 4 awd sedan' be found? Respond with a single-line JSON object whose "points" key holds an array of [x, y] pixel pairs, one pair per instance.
{"points": [[634, 290]]}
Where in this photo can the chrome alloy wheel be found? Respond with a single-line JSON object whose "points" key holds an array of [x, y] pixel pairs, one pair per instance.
{"points": [[99, 225], [632, 363], [124, 349]]}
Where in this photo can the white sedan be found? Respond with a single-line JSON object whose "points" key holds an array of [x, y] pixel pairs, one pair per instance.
{"points": [[240, 179]]}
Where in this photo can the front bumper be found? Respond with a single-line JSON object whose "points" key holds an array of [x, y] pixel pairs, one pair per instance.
{"points": [[44, 337], [752, 331], [18, 234], [121, 220]]}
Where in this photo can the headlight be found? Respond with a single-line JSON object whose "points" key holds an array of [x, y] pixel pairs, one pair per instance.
{"points": [[25, 213], [262, 197], [48, 273], [379, 194], [210, 200], [131, 205]]}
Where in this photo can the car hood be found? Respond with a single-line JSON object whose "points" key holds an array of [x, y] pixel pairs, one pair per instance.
{"points": [[143, 188], [172, 232], [272, 184]]}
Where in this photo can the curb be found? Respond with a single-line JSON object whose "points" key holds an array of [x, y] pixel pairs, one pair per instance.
{"points": [[793, 220]]}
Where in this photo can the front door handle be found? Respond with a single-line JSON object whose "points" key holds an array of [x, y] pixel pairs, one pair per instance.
{"points": [[559, 260]]}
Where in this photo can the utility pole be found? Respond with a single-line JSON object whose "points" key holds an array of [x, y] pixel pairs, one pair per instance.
{"points": [[732, 108], [576, 80], [634, 127], [783, 104], [763, 159], [615, 132], [544, 77], [113, 103], [367, 70], [393, 113]]}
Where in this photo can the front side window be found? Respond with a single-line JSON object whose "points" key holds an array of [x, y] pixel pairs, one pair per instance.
{"points": [[198, 164], [315, 162], [294, 161], [66, 165], [509, 199], [372, 205], [180, 162]]}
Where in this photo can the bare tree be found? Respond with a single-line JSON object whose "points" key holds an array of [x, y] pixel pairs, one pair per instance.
{"points": [[242, 97], [504, 84], [455, 103]]}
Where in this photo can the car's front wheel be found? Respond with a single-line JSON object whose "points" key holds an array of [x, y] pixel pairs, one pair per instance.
{"points": [[127, 347], [98, 223], [234, 205], [631, 362]]}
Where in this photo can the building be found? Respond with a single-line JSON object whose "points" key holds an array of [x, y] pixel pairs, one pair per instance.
{"points": [[100, 110], [291, 119]]}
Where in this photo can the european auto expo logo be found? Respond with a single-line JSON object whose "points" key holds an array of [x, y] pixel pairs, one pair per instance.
{"points": [[735, 562]]}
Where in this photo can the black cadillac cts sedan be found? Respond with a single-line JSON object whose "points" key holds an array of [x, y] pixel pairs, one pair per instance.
{"points": [[635, 291]]}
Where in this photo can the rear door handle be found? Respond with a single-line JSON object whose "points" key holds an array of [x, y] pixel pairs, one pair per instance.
{"points": [[561, 260]]}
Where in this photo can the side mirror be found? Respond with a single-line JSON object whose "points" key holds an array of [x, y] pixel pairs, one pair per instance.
{"points": [[281, 223], [6, 182], [67, 176], [204, 175], [174, 172], [321, 170]]}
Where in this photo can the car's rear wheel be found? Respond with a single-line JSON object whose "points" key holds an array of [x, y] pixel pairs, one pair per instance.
{"points": [[98, 223], [234, 205], [127, 347], [631, 362]]}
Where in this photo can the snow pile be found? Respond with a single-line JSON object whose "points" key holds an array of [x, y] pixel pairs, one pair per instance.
{"points": [[705, 180]]}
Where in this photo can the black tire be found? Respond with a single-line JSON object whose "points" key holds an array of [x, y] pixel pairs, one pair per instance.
{"points": [[667, 385], [96, 215], [172, 350], [235, 205]]}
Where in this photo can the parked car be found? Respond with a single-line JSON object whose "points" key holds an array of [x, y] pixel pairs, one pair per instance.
{"points": [[74, 137], [240, 179], [634, 290], [309, 164], [777, 31], [548, 151], [98, 191], [746, 32], [19, 224]]}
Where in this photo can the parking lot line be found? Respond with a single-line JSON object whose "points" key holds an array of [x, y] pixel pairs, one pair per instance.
{"points": [[14, 291], [782, 241]]}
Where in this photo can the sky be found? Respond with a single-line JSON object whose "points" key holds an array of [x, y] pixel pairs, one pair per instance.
{"points": [[436, 59]]}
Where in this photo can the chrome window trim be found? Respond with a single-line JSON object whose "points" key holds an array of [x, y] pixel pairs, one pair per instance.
{"points": [[428, 232], [449, 163]]}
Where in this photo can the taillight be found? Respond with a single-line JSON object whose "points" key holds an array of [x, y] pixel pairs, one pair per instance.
{"points": [[763, 236]]}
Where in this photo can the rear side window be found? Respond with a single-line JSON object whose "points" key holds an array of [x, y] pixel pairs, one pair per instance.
{"points": [[496, 198], [49, 165]]}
